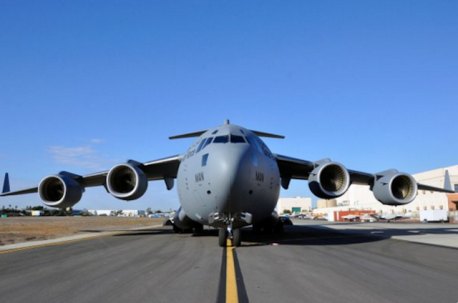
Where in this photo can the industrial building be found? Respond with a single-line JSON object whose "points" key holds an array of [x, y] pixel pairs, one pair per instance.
{"points": [[360, 197], [295, 205]]}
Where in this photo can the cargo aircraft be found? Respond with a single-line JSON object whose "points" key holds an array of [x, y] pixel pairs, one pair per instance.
{"points": [[227, 179]]}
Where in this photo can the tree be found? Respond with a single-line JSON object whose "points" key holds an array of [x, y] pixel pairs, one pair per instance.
{"points": [[116, 212]]}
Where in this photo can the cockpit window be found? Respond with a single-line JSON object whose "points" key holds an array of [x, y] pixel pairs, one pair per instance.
{"points": [[201, 145], [260, 146], [253, 142], [214, 132], [204, 160], [221, 139], [237, 139], [208, 141]]}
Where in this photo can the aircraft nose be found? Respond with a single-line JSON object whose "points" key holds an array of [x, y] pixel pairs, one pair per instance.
{"points": [[235, 169]]}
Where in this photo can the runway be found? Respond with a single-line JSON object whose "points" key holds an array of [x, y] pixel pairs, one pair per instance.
{"points": [[308, 263]]}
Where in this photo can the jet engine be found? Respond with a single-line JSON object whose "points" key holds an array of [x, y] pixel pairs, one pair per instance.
{"points": [[329, 179], [394, 188], [127, 182], [60, 191]]}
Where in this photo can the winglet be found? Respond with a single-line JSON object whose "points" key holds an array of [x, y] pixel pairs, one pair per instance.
{"points": [[447, 183], [6, 184]]}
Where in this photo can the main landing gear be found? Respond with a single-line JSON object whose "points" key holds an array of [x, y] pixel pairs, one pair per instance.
{"points": [[227, 233], [196, 229]]}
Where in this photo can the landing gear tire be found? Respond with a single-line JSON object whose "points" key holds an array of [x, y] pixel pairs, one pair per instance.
{"points": [[199, 229], [236, 237], [176, 229], [279, 228], [222, 237], [257, 228]]}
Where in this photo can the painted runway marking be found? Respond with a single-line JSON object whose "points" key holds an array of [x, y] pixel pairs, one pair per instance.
{"points": [[231, 286], [231, 281], [61, 242]]}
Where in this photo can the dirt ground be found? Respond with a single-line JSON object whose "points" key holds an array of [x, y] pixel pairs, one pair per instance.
{"points": [[23, 229]]}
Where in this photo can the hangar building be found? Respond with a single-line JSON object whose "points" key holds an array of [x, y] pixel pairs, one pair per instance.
{"points": [[360, 197], [294, 205]]}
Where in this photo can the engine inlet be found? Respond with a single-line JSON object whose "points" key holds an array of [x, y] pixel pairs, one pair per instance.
{"points": [[333, 178], [402, 187], [123, 179]]}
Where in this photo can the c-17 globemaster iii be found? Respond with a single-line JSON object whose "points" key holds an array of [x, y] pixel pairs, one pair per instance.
{"points": [[227, 179]]}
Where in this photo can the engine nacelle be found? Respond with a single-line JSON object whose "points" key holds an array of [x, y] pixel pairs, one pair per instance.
{"points": [[395, 188], [127, 182], [60, 191], [329, 180]]}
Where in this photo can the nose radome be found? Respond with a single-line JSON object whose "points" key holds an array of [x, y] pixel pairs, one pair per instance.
{"points": [[235, 170]]}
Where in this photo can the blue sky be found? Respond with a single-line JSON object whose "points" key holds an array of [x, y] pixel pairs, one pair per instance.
{"points": [[85, 85]]}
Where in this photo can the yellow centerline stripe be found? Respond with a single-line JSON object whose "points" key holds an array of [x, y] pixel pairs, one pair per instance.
{"points": [[231, 280]]}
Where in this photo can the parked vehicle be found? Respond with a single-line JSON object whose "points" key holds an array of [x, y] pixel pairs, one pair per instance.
{"points": [[367, 218], [433, 216]]}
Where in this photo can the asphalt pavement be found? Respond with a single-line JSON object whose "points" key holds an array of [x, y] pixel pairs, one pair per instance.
{"points": [[310, 262]]}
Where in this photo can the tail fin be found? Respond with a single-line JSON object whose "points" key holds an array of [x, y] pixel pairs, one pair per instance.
{"points": [[6, 184]]}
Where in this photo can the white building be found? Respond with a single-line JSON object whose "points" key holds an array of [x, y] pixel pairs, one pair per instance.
{"points": [[294, 205], [100, 212], [108, 212], [360, 197]]}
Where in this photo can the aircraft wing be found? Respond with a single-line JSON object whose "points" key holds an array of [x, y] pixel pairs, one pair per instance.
{"points": [[161, 169], [20, 192], [293, 168], [329, 180]]}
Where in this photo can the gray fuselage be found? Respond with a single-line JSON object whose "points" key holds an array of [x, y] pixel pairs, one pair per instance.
{"points": [[228, 171]]}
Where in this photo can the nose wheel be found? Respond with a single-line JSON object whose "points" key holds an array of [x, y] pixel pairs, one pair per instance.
{"points": [[236, 237], [222, 237], [227, 233]]}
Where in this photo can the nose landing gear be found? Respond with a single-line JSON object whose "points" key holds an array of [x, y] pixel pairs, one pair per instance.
{"points": [[228, 233], [237, 237], [222, 237], [225, 224]]}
